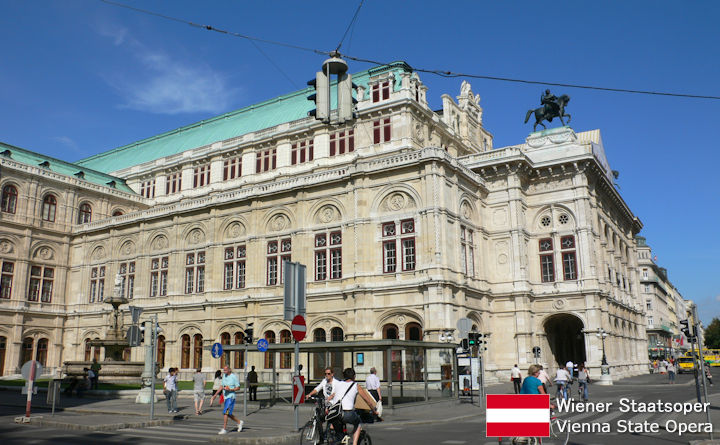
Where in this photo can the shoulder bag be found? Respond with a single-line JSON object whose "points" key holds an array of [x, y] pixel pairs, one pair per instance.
{"points": [[336, 408]]}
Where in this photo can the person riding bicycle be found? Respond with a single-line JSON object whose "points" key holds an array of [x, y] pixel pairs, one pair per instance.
{"points": [[562, 377], [346, 392], [326, 386]]}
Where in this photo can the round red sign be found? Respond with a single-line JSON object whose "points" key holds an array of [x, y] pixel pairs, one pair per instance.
{"points": [[298, 327]]}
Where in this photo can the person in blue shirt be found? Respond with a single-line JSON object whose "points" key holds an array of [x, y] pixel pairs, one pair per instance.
{"points": [[532, 384], [230, 384]]}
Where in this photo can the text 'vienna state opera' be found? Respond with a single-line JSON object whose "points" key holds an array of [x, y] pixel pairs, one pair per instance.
{"points": [[407, 219]]}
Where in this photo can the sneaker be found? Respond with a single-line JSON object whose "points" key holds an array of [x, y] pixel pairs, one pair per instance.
{"points": [[223, 431], [240, 425]]}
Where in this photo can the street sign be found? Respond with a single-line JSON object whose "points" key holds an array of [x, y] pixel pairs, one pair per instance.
{"points": [[463, 326], [298, 327], [217, 350], [262, 345], [26, 371], [298, 389], [134, 336], [135, 313], [294, 290]]}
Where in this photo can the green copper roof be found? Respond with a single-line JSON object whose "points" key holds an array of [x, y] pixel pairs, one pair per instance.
{"points": [[64, 168], [287, 108]]}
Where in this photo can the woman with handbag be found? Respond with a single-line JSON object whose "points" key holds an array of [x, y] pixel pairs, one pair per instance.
{"points": [[343, 401]]}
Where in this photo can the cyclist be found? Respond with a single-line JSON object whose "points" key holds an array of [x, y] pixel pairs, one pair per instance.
{"points": [[326, 386], [562, 377], [346, 392], [532, 384]]}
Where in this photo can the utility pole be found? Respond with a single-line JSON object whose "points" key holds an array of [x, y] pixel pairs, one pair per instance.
{"points": [[702, 361], [153, 354]]}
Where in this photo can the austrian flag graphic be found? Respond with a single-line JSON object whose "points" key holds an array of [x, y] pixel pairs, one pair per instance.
{"points": [[513, 415]]}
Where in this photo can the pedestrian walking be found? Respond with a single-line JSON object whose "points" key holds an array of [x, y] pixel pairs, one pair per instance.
{"points": [[230, 384], [663, 366], [170, 389], [372, 384], [91, 377], [655, 366], [217, 387], [252, 382], [708, 376], [199, 391], [583, 381], [671, 369], [95, 368], [516, 377]]}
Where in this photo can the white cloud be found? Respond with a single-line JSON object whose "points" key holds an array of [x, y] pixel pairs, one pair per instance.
{"points": [[67, 142], [117, 33], [159, 83]]}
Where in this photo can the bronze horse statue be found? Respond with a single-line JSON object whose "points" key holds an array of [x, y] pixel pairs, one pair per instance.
{"points": [[549, 111]]}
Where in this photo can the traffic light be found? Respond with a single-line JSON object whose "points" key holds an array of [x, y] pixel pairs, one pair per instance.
{"points": [[686, 328], [321, 97], [473, 339], [464, 344], [346, 101], [248, 334]]}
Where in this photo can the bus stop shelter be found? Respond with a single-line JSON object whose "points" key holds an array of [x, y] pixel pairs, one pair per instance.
{"points": [[436, 377]]}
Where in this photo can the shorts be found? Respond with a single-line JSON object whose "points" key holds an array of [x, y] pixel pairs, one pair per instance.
{"points": [[229, 406], [351, 418], [199, 396]]}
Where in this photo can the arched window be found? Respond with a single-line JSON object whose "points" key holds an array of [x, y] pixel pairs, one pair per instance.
{"points": [[197, 355], [49, 208], [88, 350], [319, 335], [285, 357], [3, 347], [269, 355], [185, 351], [9, 199], [27, 350], [239, 356], [161, 351], [117, 213], [85, 213], [413, 331], [336, 334], [390, 332], [225, 358]]}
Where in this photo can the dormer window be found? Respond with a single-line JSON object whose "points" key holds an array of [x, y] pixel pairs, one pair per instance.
{"points": [[381, 91], [301, 152], [44, 164], [80, 175]]}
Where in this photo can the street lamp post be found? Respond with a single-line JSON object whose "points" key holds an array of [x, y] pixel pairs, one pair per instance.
{"points": [[605, 378]]}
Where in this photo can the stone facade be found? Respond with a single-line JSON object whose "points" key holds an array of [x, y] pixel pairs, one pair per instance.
{"points": [[414, 224]]}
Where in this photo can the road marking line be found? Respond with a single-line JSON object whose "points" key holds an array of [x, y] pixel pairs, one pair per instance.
{"points": [[454, 441]]}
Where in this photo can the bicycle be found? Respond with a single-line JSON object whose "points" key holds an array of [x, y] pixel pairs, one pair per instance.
{"points": [[343, 438], [312, 433]]}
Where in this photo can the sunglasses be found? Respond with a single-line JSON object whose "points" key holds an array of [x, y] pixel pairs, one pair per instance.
{"points": [[328, 373]]}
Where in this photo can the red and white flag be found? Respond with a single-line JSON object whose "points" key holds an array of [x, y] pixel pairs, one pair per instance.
{"points": [[512, 415]]}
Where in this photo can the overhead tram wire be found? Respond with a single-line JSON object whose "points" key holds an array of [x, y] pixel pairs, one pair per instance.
{"points": [[442, 73], [349, 26]]}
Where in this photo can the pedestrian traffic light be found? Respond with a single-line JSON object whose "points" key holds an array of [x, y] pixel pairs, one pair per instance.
{"points": [[474, 338], [248, 334], [464, 344]]}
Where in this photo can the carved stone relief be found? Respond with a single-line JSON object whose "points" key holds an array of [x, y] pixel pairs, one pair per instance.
{"points": [[279, 222], [196, 236], [7, 246], [234, 230], [327, 214], [502, 255], [127, 248], [97, 254], [159, 243], [397, 201], [466, 211]]}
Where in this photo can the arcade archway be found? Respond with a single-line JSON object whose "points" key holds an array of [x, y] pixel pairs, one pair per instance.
{"points": [[566, 338]]}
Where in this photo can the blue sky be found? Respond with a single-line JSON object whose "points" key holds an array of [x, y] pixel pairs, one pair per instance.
{"points": [[80, 76]]}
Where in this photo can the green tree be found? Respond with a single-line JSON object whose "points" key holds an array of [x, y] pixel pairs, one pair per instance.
{"points": [[712, 334]]}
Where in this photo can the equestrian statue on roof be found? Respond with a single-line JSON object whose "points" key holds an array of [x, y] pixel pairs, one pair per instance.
{"points": [[552, 107]]}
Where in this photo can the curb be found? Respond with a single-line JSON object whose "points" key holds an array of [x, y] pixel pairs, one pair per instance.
{"points": [[103, 427]]}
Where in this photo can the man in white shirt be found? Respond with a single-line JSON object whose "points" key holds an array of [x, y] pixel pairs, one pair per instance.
{"points": [[346, 392], [516, 377], [372, 384]]}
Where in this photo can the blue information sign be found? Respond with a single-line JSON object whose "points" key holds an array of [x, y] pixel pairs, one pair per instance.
{"points": [[262, 345], [217, 350]]}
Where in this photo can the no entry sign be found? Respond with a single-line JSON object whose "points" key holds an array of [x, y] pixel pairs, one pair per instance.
{"points": [[298, 327]]}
